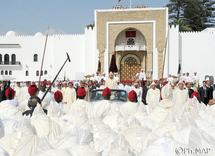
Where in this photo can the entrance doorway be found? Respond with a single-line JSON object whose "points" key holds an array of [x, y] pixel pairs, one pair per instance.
{"points": [[130, 64]]}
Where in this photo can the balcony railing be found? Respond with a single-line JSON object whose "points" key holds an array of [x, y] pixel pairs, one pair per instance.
{"points": [[130, 48], [5, 63]]}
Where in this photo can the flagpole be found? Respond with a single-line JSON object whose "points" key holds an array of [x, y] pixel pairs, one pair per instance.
{"points": [[130, 4]]}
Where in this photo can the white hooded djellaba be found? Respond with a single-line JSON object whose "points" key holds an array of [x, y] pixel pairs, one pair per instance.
{"points": [[109, 128]]}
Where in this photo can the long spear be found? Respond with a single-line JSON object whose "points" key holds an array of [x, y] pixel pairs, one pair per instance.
{"points": [[164, 58], [165, 52], [43, 55]]}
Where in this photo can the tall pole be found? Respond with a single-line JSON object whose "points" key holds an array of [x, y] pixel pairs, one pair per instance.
{"points": [[68, 59], [164, 58], [130, 4], [165, 53], [43, 56]]}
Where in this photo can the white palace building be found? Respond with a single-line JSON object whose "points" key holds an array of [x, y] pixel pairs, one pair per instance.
{"points": [[132, 34]]}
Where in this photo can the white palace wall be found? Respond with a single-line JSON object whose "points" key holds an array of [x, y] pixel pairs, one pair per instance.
{"points": [[195, 50], [79, 47]]}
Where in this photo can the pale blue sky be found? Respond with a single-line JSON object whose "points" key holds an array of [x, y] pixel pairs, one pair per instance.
{"points": [[27, 17]]}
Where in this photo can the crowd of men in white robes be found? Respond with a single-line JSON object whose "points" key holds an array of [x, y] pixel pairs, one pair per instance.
{"points": [[170, 122]]}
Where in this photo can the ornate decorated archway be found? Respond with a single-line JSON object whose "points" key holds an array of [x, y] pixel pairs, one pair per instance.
{"points": [[130, 64]]}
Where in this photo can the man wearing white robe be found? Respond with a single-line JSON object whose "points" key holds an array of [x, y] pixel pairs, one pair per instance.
{"points": [[92, 78], [81, 104], [183, 77], [103, 77], [142, 75], [111, 82], [18, 90], [25, 94], [152, 94], [188, 78], [116, 77], [70, 95], [97, 77], [138, 92], [128, 87], [195, 79], [47, 99], [170, 78], [180, 96]]}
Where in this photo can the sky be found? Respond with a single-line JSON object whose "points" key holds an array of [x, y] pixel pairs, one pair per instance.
{"points": [[27, 17]]}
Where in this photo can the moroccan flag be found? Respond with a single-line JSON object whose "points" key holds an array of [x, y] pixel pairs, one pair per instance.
{"points": [[119, 0], [130, 34]]}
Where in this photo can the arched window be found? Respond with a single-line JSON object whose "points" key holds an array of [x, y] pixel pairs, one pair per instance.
{"points": [[26, 73], [41, 73], [0, 58], [13, 58], [37, 73], [2, 72], [10, 72], [6, 59], [35, 58], [46, 72], [6, 72]]}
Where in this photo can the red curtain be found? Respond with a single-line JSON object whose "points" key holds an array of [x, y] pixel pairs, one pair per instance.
{"points": [[113, 67], [99, 66]]}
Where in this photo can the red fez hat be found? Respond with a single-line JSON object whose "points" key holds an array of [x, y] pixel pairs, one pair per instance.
{"points": [[58, 96], [180, 83], [70, 82], [49, 84], [123, 81], [132, 95], [59, 84], [18, 82], [9, 93], [194, 94], [32, 89], [94, 82], [105, 92], [164, 84], [81, 91], [44, 82]]}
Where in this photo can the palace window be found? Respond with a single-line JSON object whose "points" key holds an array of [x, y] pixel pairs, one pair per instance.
{"points": [[37, 73], [10, 72], [35, 58], [46, 72], [0, 58], [26, 73], [6, 59], [2, 72], [6, 72], [13, 58]]}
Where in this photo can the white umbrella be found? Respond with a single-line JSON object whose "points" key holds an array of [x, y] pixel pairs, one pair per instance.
{"points": [[5, 78], [47, 77], [10, 78]]}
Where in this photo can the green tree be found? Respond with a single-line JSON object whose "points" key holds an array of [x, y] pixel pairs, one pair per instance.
{"points": [[90, 25], [194, 15], [175, 10], [182, 26]]}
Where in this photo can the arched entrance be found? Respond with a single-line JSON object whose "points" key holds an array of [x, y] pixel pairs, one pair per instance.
{"points": [[130, 64]]}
